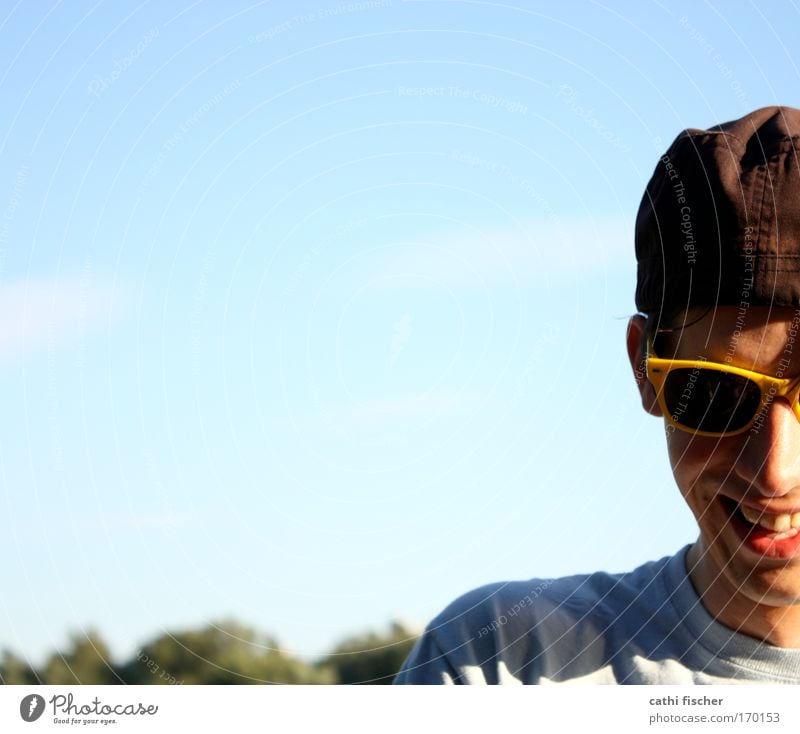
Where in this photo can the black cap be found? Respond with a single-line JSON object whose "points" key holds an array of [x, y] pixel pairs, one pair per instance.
{"points": [[719, 222]]}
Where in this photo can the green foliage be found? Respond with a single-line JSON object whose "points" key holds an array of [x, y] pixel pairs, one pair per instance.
{"points": [[15, 671], [88, 661], [227, 653], [371, 658], [224, 653]]}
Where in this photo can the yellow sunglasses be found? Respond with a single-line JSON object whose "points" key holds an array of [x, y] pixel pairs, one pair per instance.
{"points": [[712, 399]]}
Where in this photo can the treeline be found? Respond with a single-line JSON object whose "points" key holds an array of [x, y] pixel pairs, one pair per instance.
{"points": [[225, 653]]}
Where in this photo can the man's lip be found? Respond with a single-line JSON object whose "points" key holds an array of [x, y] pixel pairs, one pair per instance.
{"points": [[764, 508], [759, 540]]}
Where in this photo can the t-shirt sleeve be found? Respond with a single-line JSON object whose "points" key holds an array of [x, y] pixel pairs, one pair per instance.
{"points": [[427, 665]]}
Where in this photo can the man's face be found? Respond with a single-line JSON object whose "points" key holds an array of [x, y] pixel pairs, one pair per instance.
{"points": [[732, 481]]}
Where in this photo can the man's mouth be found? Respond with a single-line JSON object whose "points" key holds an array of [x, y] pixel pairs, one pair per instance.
{"points": [[783, 525], [769, 534]]}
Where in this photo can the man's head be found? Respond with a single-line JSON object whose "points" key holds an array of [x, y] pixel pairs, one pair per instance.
{"points": [[718, 249]]}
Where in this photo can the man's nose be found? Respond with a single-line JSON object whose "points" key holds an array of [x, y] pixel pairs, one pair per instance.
{"points": [[770, 457]]}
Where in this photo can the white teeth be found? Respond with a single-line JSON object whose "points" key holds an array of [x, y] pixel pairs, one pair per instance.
{"points": [[756, 517], [782, 523], [750, 515]]}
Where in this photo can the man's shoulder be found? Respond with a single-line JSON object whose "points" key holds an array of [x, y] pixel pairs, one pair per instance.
{"points": [[576, 594], [541, 628]]}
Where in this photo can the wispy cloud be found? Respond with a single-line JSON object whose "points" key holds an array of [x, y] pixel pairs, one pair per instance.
{"points": [[518, 254], [42, 313]]}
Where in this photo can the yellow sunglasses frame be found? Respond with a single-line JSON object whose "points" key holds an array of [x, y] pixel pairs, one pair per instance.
{"points": [[769, 387]]}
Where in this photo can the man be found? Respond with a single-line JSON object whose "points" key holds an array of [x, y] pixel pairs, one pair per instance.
{"points": [[716, 356]]}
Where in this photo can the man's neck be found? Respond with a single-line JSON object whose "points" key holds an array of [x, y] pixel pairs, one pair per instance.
{"points": [[777, 625]]}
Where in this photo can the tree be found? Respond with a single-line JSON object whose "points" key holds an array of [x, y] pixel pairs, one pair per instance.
{"points": [[371, 658], [224, 653], [15, 670], [87, 660]]}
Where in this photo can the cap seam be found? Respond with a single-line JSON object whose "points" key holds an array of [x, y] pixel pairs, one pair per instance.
{"points": [[761, 226]]}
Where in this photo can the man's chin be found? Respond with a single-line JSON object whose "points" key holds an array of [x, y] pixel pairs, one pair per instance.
{"points": [[773, 587]]}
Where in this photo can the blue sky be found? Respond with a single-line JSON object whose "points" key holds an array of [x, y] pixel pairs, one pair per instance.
{"points": [[315, 311]]}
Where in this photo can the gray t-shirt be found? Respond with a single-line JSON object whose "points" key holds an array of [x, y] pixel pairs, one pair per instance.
{"points": [[646, 626]]}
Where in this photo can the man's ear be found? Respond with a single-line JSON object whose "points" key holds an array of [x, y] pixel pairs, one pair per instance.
{"points": [[636, 354]]}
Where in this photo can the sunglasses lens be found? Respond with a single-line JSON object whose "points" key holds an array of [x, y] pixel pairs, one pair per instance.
{"points": [[711, 400]]}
